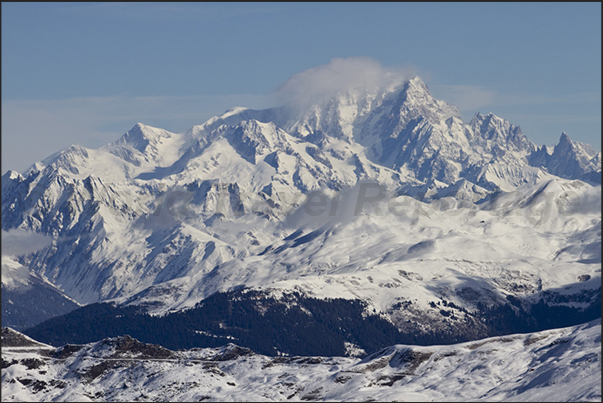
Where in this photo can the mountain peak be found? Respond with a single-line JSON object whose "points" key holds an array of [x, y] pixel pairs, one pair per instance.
{"points": [[492, 130], [233, 111], [572, 159], [416, 82], [565, 139], [566, 144], [140, 136], [415, 100]]}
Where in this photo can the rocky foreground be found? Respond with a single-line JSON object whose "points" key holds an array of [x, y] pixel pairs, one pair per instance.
{"points": [[553, 365]]}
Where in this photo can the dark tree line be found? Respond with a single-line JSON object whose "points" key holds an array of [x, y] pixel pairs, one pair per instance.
{"points": [[294, 324]]}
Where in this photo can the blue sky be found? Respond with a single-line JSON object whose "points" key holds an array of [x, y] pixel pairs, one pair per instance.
{"points": [[85, 73]]}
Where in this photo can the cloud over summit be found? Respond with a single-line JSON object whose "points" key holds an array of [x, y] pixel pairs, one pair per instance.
{"points": [[340, 74]]}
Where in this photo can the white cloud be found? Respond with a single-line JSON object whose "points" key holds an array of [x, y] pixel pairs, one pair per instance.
{"points": [[340, 74], [17, 242]]}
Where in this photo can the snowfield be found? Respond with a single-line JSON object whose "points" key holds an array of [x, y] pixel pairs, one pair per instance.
{"points": [[554, 365]]}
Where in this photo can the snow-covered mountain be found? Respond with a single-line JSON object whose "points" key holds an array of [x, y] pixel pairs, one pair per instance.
{"points": [[554, 365], [570, 159], [379, 194]]}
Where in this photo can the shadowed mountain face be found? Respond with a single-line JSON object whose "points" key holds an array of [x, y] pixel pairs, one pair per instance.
{"points": [[381, 196], [28, 299]]}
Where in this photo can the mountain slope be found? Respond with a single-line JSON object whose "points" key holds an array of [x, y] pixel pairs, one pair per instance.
{"points": [[27, 299], [280, 199], [555, 365]]}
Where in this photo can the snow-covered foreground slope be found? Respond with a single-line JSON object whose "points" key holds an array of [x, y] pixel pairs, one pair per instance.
{"points": [[555, 365]]}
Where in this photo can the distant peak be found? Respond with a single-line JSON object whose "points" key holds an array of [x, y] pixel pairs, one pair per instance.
{"points": [[483, 116], [565, 142], [141, 127], [141, 135], [147, 131], [565, 138], [417, 82], [339, 76], [233, 111], [489, 119]]}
